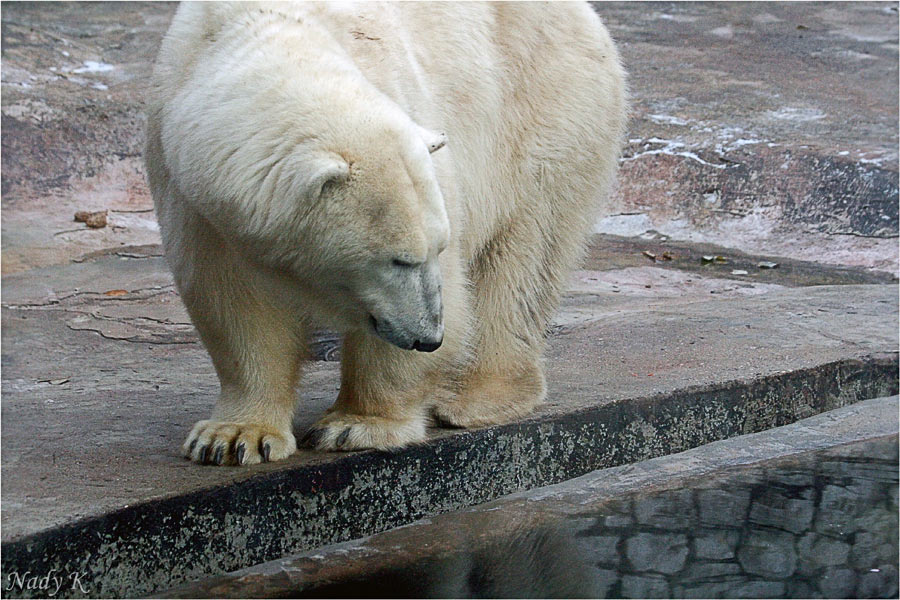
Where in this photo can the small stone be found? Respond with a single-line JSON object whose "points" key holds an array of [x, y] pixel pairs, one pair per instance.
{"points": [[830, 552], [836, 582], [717, 259], [723, 507], [776, 507], [718, 544], [877, 520], [768, 553], [838, 510], [660, 553], [880, 583], [815, 551], [646, 586], [871, 549], [94, 220]]}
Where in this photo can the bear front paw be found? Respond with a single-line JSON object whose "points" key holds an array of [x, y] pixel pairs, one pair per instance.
{"points": [[222, 443], [342, 431]]}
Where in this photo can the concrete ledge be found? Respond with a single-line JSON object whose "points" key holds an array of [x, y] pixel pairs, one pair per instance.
{"points": [[158, 544]]}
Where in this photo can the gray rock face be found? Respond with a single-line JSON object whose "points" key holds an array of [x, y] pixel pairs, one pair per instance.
{"points": [[716, 544], [775, 155], [657, 552]]}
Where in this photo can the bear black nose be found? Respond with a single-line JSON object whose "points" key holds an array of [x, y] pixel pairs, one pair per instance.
{"points": [[427, 346]]}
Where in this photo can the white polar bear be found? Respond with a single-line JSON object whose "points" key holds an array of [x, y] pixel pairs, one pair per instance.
{"points": [[294, 155]]}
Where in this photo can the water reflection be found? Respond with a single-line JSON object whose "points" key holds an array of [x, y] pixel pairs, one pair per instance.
{"points": [[821, 526]]}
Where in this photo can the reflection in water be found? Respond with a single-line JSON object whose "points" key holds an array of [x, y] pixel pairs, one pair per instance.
{"points": [[824, 525]]}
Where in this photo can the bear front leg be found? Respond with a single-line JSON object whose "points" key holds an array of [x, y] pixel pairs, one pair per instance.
{"points": [[387, 393], [383, 399], [256, 347]]}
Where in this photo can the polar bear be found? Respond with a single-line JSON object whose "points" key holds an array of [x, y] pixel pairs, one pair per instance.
{"points": [[419, 176]]}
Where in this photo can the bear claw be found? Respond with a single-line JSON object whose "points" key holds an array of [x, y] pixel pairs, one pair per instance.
{"points": [[312, 437], [342, 439], [231, 443], [349, 432]]}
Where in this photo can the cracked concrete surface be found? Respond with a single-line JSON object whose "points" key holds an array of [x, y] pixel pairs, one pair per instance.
{"points": [[103, 375]]}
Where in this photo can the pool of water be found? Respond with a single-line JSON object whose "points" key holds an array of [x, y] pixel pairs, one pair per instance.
{"points": [[821, 524]]}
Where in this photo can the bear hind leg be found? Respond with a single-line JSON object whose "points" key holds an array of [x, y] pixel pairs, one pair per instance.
{"points": [[517, 280]]}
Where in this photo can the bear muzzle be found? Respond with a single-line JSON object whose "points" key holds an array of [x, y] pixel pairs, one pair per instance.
{"points": [[421, 341]]}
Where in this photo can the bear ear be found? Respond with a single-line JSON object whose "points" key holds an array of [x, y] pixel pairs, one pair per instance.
{"points": [[434, 140], [326, 170]]}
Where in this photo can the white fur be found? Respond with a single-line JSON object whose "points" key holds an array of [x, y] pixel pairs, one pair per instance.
{"points": [[407, 173]]}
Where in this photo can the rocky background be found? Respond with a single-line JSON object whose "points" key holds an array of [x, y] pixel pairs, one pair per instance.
{"points": [[772, 128]]}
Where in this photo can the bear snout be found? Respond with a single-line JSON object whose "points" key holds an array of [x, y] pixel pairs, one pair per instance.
{"points": [[408, 338]]}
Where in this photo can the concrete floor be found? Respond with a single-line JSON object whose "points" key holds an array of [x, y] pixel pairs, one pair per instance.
{"points": [[100, 389]]}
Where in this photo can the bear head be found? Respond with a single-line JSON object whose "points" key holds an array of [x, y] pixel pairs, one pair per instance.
{"points": [[335, 193]]}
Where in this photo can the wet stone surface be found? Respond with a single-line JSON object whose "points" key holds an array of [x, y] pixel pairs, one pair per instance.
{"points": [[587, 538]]}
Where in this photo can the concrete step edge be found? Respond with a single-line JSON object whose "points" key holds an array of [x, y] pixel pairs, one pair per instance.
{"points": [[162, 543]]}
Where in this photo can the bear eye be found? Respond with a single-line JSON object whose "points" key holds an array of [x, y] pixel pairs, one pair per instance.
{"points": [[399, 262]]}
